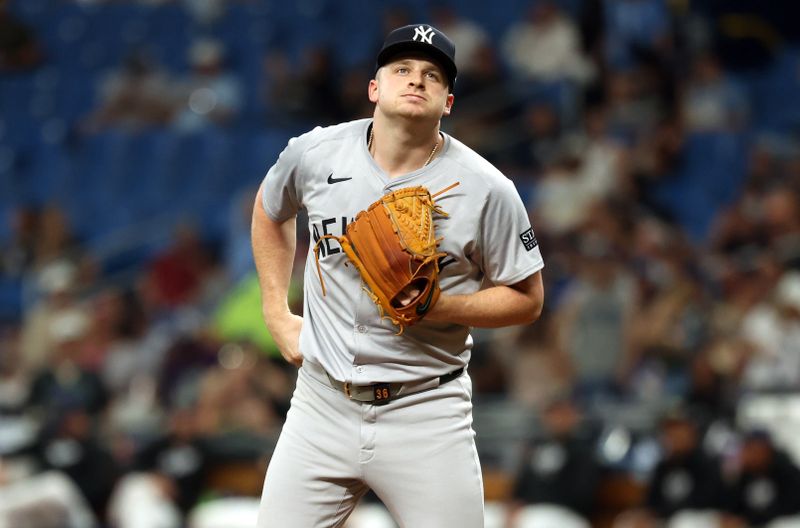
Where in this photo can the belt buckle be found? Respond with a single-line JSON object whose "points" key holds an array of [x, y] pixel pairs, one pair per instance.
{"points": [[347, 389]]}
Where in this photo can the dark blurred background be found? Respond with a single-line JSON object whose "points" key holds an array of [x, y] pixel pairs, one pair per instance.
{"points": [[655, 143]]}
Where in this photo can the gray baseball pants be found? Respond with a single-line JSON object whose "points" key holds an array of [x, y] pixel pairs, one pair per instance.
{"points": [[417, 453]]}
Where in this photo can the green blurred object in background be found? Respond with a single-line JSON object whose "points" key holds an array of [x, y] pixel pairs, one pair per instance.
{"points": [[239, 315]]}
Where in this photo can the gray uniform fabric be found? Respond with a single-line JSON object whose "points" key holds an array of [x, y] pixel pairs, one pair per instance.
{"points": [[330, 173], [417, 452]]}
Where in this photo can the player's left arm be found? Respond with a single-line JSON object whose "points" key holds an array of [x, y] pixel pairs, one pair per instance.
{"points": [[519, 303]]}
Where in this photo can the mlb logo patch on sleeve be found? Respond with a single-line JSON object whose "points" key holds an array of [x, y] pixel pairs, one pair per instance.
{"points": [[529, 239]]}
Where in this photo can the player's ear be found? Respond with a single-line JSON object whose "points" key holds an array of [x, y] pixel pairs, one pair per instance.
{"points": [[372, 90], [448, 104]]}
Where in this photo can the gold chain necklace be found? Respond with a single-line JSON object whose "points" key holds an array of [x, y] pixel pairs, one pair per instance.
{"points": [[430, 157]]}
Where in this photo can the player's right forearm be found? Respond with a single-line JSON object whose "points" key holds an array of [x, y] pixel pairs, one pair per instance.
{"points": [[273, 252]]}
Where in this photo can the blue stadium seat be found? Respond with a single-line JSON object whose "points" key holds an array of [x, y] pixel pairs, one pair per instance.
{"points": [[146, 170], [199, 177], [99, 161], [712, 175], [256, 153], [10, 299], [355, 42], [15, 105], [168, 36], [775, 93], [51, 173], [494, 20]]}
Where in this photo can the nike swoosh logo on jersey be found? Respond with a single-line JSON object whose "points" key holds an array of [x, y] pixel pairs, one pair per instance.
{"points": [[332, 180], [423, 307]]}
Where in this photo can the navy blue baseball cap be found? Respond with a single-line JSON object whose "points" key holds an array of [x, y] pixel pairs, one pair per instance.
{"points": [[424, 39]]}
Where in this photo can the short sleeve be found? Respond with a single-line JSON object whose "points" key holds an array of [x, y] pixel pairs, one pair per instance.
{"points": [[510, 251], [281, 198]]}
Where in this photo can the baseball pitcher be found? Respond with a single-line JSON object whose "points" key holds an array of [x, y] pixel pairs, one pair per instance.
{"points": [[416, 238]]}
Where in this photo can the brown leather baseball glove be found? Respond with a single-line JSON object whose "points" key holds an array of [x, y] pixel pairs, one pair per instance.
{"points": [[393, 246]]}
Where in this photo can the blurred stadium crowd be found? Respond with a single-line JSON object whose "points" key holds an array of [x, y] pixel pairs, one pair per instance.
{"points": [[655, 143]]}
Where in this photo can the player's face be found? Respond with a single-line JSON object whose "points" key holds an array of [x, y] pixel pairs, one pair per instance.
{"points": [[411, 86]]}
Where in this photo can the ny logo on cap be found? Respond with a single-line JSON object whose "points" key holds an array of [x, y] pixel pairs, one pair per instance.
{"points": [[424, 34]]}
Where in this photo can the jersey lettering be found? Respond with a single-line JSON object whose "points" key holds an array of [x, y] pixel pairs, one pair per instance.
{"points": [[324, 228]]}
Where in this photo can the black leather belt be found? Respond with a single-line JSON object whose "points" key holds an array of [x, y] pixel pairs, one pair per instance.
{"points": [[380, 393]]}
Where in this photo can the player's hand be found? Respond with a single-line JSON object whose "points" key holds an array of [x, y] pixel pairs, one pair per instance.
{"points": [[286, 333], [408, 294]]}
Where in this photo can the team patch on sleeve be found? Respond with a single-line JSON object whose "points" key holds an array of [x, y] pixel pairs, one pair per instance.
{"points": [[528, 239]]}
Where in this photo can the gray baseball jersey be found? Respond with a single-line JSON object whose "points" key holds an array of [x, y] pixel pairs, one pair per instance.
{"points": [[487, 238]]}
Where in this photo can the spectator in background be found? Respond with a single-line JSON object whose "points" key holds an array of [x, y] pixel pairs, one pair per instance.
{"points": [[351, 95], [69, 444], [210, 94], [245, 394], [310, 92], [633, 113], [137, 95], [686, 478], [19, 250], [658, 156], [772, 330], [56, 285], [709, 393], [55, 238], [594, 319], [136, 349], [20, 50], [763, 221], [64, 381], [781, 225], [546, 46], [603, 161], [485, 127], [635, 27], [166, 478], [176, 276], [558, 467], [745, 280], [279, 82], [487, 76], [43, 500], [469, 38], [562, 197], [540, 135], [765, 487], [536, 369], [319, 85], [179, 459], [14, 380], [668, 327], [711, 101], [792, 175]]}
